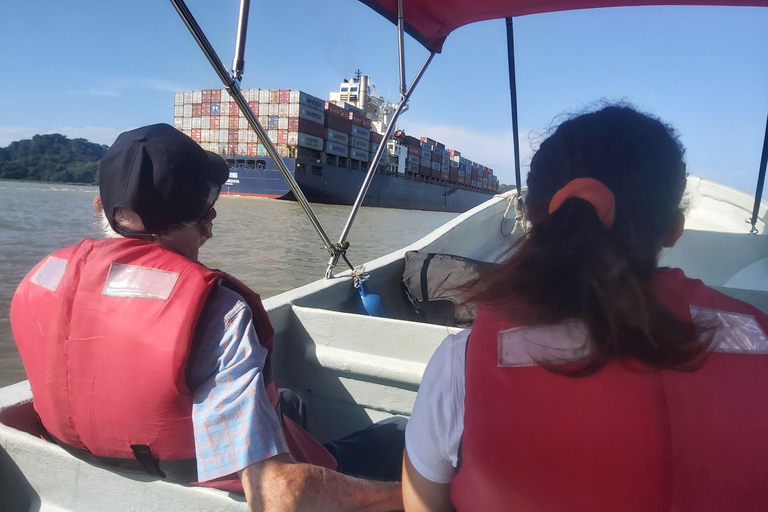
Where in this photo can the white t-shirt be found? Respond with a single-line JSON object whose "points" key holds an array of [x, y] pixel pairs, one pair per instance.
{"points": [[434, 430]]}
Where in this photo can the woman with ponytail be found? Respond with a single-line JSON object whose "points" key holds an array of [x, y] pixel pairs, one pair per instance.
{"points": [[592, 379]]}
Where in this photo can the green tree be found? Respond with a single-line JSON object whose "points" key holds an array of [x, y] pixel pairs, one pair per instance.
{"points": [[52, 157]]}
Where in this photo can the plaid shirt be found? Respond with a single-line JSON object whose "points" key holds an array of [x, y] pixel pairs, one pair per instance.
{"points": [[235, 425]]}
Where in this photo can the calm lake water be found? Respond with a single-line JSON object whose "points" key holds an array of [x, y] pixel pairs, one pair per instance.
{"points": [[268, 244]]}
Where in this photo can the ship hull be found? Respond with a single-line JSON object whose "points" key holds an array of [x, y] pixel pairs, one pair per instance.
{"points": [[328, 184]]}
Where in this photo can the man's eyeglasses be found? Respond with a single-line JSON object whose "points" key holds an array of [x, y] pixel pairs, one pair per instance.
{"points": [[213, 195]]}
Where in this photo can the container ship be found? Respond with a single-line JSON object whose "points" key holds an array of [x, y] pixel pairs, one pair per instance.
{"points": [[327, 145]]}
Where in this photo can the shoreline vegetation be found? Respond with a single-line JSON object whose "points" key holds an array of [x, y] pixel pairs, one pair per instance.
{"points": [[52, 158]]}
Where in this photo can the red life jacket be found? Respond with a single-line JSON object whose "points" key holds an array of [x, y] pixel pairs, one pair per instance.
{"points": [[625, 438], [105, 329]]}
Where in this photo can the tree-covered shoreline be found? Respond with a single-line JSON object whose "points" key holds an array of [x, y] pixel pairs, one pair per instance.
{"points": [[52, 158]]}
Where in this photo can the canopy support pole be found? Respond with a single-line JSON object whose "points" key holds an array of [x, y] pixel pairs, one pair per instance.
{"points": [[238, 64], [760, 182], [513, 98], [374, 164], [234, 91], [401, 46]]}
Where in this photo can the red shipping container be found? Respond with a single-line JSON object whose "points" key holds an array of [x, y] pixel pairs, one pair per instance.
{"points": [[435, 173], [444, 175], [376, 137], [428, 140], [254, 106], [206, 109], [284, 96], [232, 136], [338, 124], [232, 148], [282, 136], [461, 179], [454, 175], [454, 153], [234, 110], [215, 95], [234, 123], [299, 124], [195, 134], [437, 157], [252, 148], [206, 95], [414, 150], [197, 109], [360, 120], [215, 123], [424, 170], [331, 109]]}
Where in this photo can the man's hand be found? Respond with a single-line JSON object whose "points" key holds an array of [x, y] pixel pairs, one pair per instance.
{"points": [[280, 484]]}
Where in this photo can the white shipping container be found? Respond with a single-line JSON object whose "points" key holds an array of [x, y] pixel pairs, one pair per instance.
{"points": [[293, 138], [178, 111], [263, 97], [282, 123], [335, 136], [282, 110], [272, 134], [358, 154], [263, 120], [178, 122], [311, 114], [361, 144], [214, 136], [205, 136], [357, 131], [293, 96], [178, 98], [197, 122], [334, 148], [197, 96], [187, 96], [242, 148], [206, 121], [242, 123], [293, 110], [253, 94], [273, 109], [309, 141], [187, 110], [224, 122], [242, 136], [309, 100], [223, 136], [186, 125]]}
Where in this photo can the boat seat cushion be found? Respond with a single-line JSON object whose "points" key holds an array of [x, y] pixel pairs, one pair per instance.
{"points": [[430, 283]]}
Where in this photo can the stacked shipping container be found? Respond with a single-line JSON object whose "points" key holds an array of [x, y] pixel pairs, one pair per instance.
{"points": [[295, 119]]}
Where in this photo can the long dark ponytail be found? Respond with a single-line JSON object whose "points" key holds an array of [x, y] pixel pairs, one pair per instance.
{"points": [[572, 266]]}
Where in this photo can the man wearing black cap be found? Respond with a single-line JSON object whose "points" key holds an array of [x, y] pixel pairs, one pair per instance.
{"points": [[142, 359]]}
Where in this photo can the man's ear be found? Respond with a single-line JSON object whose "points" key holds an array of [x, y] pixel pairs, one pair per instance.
{"points": [[97, 206], [675, 231]]}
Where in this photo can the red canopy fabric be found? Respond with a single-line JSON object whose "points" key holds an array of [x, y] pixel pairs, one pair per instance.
{"points": [[430, 21]]}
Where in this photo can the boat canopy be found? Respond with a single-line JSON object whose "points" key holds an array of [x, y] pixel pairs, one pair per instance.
{"points": [[431, 21]]}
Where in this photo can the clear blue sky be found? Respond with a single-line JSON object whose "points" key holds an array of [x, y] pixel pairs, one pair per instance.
{"points": [[93, 69]]}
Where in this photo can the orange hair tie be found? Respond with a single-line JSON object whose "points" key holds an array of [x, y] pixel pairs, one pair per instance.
{"points": [[592, 191]]}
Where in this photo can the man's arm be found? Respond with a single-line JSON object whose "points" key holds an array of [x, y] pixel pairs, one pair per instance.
{"points": [[280, 484]]}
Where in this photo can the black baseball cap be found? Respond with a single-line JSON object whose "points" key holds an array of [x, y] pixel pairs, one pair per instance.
{"points": [[160, 174]]}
